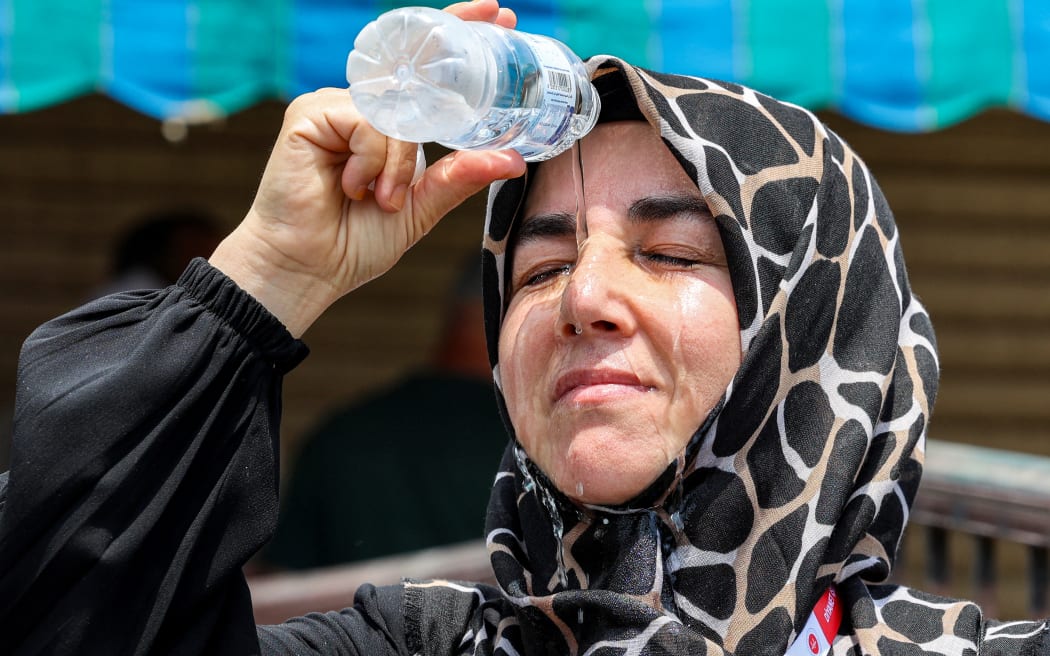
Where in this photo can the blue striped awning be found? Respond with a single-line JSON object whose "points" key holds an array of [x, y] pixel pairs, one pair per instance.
{"points": [[905, 65]]}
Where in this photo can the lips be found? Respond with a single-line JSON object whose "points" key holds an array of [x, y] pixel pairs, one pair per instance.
{"points": [[580, 381]]}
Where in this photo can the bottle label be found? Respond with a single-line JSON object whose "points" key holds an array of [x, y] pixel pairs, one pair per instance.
{"points": [[559, 92]]}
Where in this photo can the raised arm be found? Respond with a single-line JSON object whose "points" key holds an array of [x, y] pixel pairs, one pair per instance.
{"points": [[315, 232], [144, 460]]}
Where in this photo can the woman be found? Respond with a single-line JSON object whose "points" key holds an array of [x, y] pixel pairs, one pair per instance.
{"points": [[717, 379]]}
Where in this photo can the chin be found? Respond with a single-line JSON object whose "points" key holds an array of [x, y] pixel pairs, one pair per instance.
{"points": [[609, 489], [607, 470]]}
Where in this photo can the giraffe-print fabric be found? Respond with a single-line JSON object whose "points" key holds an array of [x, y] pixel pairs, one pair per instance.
{"points": [[800, 478]]}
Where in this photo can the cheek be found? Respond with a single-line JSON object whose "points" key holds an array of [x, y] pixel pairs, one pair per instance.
{"points": [[527, 352], [521, 359], [708, 348], [508, 365]]}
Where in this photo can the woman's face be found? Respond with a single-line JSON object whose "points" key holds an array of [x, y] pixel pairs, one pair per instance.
{"points": [[618, 341]]}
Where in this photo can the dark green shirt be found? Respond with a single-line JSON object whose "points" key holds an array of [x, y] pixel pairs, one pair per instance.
{"points": [[406, 469]]}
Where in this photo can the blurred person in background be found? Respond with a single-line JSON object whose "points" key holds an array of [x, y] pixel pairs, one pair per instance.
{"points": [[150, 253], [155, 249], [356, 469]]}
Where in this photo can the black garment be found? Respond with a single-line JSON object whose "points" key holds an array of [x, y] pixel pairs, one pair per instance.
{"points": [[331, 512], [144, 476]]}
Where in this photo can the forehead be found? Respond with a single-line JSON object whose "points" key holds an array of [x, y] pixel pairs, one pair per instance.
{"points": [[622, 161]]}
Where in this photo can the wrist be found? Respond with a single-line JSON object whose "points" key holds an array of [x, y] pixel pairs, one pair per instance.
{"points": [[295, 298]]}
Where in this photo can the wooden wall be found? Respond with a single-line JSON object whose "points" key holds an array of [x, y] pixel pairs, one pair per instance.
{"points": [[72, 177], [973, 203]]}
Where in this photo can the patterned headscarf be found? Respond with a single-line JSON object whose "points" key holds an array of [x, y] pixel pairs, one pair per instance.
{"points": [[802, 477]]}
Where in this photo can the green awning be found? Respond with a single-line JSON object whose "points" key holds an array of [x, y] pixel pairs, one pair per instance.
{"points": [[907, 65]]}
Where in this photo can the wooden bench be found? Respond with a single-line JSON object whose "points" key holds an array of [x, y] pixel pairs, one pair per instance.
{"points": [[276, 597], [992, 495], [987, 493]]}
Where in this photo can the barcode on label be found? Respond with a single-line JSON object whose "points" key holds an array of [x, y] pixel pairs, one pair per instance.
{"points": [[559, 81]]}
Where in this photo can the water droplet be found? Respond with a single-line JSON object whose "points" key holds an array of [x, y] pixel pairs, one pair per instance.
{"points": [[674, 562], [581, 199], [579, 489], [550, 506], [523, 469]]}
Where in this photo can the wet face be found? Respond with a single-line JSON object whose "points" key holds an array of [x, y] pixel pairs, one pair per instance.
{"points": [[617, 342]]}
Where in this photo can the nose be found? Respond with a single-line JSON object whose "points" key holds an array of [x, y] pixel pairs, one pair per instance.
{"points": [[597, 297]]}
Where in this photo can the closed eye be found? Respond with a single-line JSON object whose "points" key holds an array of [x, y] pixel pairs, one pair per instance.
{"points": [[671, 260], [536, 278]]}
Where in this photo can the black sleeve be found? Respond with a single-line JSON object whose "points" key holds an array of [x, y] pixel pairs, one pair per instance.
{"points": [[374, 626], [144, 475]]}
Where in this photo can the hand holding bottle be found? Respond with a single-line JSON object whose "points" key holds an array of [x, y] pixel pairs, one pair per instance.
{"points": [[315, 231], [421, 75]]}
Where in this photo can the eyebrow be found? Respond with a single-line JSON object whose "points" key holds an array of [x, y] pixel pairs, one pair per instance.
{"points": [[655, 208], [643, 210], [539, 226]]}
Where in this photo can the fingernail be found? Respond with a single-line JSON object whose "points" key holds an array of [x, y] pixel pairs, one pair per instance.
{"points": [[359, 193], [397, 198]]}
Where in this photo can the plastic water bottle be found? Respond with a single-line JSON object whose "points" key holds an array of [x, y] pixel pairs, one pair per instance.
{"points": [[420, 74]]}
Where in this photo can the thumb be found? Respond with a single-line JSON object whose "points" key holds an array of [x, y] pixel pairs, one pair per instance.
{"points": [[456, 177]]}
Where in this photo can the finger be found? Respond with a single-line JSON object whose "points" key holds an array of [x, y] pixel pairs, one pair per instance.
{"points": [[328, 120], [325, 117], [456, 177], [485, 10], [396, 176], [368, 154], [507, 18], [480, 10]]}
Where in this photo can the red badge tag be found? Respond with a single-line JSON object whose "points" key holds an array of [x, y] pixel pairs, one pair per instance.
{"points": [[821, 627]]}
